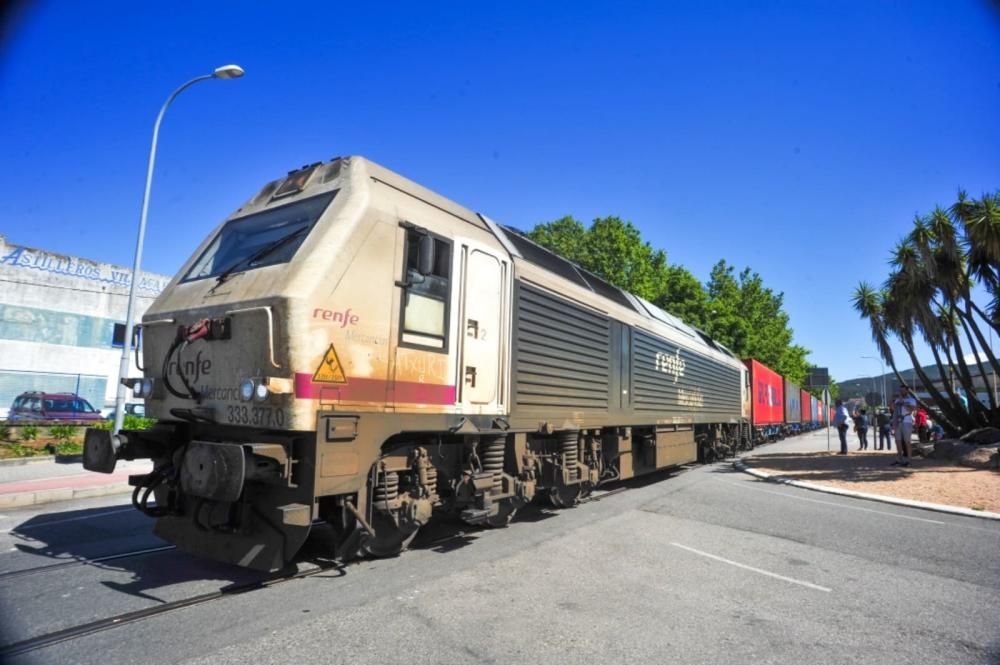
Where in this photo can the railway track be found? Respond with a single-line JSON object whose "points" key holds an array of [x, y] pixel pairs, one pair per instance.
{"points": [[12, 574], [82, 630]]}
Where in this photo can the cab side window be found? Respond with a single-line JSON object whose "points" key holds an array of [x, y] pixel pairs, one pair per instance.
{"points": [[426, 290]]}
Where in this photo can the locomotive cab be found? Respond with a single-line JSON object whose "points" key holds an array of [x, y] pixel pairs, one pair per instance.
{"points": [[338, 291]]}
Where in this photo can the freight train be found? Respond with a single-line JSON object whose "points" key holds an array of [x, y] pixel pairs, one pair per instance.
{"points": [[352, 348]]}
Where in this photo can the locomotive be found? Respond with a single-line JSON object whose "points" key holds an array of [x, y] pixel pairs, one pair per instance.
{"points": [[352, 348]]}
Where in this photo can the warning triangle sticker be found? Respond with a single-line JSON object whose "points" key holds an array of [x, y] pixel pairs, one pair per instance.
{"points": [[330, 371]]}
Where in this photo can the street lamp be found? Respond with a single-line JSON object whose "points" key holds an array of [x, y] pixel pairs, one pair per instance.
{"points": [[882, 364], [224, 72]]}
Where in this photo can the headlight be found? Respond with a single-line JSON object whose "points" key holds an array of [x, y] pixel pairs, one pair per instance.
{"points": [[246, 390], [147, 387], [261, 392], [137, 388]]}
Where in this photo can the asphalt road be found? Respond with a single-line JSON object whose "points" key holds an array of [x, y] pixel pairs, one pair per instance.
{"points": [[706, 565]]}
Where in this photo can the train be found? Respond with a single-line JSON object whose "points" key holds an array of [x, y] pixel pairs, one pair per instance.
{"points": [[352, 349]]}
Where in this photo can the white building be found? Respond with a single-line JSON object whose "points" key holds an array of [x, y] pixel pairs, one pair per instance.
{"points": [[62, 323]]}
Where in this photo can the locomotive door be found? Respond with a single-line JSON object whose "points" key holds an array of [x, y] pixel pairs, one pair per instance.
{"points": [[483, 327]]}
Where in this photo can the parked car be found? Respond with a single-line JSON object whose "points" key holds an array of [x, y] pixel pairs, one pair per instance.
{"points": [[131, 409], [52, 406]]}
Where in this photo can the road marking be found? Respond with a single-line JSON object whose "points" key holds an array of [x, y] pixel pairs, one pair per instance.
{"points": [[68, 519], [838, 505], [809, 585]]}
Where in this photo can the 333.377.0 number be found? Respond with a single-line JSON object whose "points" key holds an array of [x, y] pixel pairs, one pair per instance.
{"points": [[259, 416]]}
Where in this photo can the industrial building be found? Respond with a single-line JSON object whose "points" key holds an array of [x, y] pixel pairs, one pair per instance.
{"points": [[62, 323]]}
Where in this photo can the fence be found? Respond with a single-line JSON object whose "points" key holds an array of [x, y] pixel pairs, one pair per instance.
{"points": [[13, 382]]}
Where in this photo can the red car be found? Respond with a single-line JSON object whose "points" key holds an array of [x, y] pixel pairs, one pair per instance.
{"points": [[52, 406]]}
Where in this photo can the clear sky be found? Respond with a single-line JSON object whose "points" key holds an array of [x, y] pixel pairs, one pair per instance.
{"points": [[797, 140]]}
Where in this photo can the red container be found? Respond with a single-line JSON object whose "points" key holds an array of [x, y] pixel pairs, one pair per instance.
{"points": [[820, 411], [767, 389], [805, 398]]}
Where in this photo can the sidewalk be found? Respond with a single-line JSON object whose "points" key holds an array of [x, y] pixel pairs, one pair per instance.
{"points": [[46, 481], [933, 484]]}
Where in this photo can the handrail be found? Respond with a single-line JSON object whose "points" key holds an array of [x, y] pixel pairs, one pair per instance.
{"points": [[270, 327]]}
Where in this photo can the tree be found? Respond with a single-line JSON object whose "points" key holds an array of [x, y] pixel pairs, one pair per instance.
{"points": [[749, 318], [565, 236], [684, 297], [928, 294], [612, 249]]}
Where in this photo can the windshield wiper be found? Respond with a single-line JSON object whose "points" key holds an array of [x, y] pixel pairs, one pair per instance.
{"points": [[260, 253]]}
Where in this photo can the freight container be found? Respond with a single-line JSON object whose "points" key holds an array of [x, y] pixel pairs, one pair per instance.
{"points": [[793, 403], [805, 404], [766, 386]]}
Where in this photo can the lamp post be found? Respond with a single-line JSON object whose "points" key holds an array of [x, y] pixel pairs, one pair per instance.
{"points": [[224, 72], [882, 365]]}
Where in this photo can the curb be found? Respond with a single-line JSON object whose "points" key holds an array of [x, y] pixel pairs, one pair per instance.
{"points": [[21, 461], [923, 505], [24, 499]]}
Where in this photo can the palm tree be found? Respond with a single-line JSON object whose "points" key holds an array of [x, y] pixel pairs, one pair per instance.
{"points": [[929, 293]]}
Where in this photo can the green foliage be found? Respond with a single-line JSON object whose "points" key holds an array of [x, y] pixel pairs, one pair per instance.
{"points": [[20, 450], [749, 318], [4, 432], [62, 433], [834, 389], [684, 297], [138, 422], [29, 432], [68, 448], [612, 249], [566, 237], [131, 422]]}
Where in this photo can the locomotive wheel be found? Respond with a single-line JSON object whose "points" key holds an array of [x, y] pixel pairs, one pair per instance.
{"points": [[564, 496], [505, 513], [389, 539]]}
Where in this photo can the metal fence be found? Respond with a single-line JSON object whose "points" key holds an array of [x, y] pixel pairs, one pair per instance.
{"points": [[13, 382]]}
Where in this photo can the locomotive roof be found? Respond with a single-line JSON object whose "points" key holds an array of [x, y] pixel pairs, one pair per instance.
{"points": [[544, 258]]}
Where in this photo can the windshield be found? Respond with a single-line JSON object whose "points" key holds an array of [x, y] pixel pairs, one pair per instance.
{"points": [[74, 405], [242, 241]]}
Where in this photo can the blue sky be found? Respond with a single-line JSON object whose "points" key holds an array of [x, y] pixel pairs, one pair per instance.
{"points": [[799, 140]]}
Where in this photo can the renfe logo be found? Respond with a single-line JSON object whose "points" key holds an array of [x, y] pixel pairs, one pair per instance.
{"points": [[193, 369], [673, 365], [344, 318]]}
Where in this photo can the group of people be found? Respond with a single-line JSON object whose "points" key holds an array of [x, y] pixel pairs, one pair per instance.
{"points": [[899, 423]]}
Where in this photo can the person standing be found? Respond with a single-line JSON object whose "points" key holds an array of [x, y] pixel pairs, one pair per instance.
{"points": [[903, 408], [884, 422], [861, 427], [841, 420]]}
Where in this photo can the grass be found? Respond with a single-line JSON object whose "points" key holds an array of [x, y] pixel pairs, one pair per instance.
{"points": [[56, 439], [21, 450], [62, 433], [131, 422]]}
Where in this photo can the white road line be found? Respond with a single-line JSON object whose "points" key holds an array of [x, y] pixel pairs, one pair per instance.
{"points": [[838, 505], [68, 519], [809, 585]]}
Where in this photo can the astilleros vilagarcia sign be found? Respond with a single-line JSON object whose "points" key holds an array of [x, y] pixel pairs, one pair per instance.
{"points": [[25, 258]]}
